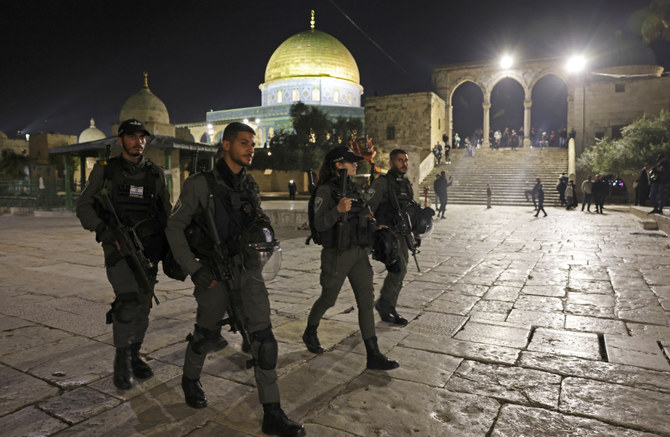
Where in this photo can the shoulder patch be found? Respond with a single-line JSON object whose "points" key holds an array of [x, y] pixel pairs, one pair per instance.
{"points": [[371, 193], [318, 201], [103, 162]]}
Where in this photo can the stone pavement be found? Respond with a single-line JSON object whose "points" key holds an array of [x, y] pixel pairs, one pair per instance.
{"points": [[519, 326]]}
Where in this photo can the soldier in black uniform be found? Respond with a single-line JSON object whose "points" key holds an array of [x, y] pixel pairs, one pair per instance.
{"points": [[345, 226], [380, 193], [137, 190], [232, 196]]}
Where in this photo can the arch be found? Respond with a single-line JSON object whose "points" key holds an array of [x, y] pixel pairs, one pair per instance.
{"points": [[547, 72], [218, 138], [549, 97], [467, 111], [205, 138], [504, 96], [460, 82]]}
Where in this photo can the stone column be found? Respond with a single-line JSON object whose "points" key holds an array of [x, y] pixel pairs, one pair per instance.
{"points": [[527, 104], [450, 124], [487, 109], [82, 171]]}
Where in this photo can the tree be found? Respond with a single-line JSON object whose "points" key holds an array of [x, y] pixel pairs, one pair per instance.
{"points": [[656, 22], [640, 142], [306, 147]]}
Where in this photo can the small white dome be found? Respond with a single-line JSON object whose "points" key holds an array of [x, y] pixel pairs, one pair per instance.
{"points": [[91, 133]]}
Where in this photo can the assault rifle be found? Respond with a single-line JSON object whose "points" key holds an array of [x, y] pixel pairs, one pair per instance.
{"points": [[405, 227], [225, 270], [131, 246]]}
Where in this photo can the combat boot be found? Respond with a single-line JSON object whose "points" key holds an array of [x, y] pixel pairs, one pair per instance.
{"points": [[377, 360], [275, 422], [311, 340], [122, 378], [140, 368], [388, 313], [193, 393]]}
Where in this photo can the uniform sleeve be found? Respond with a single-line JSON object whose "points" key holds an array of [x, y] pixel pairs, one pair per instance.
{"points": [[377, 193], [164, 194], [325, 209], [85, 211], [255, 192], [191, 202]]}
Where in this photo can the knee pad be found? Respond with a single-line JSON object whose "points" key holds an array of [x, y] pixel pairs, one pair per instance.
{"points": [[268, 350], [126, 308], [204, 340]]}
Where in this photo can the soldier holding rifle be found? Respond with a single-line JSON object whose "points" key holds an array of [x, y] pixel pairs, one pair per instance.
{"points": [[126, 203], [220, 236]]}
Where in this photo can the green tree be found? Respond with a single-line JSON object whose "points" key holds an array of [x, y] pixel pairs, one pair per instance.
{"points": [[656, 21], [12, 166], [640, 142]]}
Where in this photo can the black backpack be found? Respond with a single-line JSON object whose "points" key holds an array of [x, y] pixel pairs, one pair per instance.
{"points": [[313, 233]]}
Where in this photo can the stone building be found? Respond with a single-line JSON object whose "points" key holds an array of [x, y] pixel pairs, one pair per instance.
{"points": [[18, 146]]}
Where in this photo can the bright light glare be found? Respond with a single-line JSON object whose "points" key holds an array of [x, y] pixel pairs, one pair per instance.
{"points": [[258, 120], [506, 61], [575, 64], [245, 121]]}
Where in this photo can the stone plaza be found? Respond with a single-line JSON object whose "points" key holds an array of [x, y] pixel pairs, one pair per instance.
{"points": [[553, 326]]}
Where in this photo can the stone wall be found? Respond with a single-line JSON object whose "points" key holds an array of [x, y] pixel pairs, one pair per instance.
{"points": [[399, 119], [274, 181], [40, 144]]}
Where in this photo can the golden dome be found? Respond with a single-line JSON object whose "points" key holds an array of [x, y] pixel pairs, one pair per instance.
{"points": [[145, 106], [312, 53]]}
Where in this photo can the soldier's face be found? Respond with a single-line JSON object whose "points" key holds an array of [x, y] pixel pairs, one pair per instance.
{"points": [[133, 144], [399, 163], [241, 150], [349, 166]]}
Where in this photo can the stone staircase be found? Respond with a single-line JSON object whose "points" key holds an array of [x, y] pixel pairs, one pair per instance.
{"points": [[510, 173]]}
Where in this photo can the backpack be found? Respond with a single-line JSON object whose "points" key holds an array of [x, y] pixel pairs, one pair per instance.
{"points": [[313, 233]]}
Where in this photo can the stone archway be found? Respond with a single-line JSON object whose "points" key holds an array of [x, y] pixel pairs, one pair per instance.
{"points": [[447, 78]]}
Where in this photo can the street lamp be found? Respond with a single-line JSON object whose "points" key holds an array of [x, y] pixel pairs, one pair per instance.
{"points": [[575, 64], [506, 62]]}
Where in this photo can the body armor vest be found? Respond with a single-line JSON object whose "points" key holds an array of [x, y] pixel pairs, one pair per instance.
{"points": [[386, 213]]}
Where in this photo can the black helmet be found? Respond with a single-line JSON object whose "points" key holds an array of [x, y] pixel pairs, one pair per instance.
{"points": [[385, 249], [262, 254], [422, 220]]}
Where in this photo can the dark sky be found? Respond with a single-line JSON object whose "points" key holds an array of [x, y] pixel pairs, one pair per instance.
{"points": [[68, 60]]}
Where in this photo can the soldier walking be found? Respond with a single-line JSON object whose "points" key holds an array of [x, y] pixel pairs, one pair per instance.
{"points": [[135, 189], [345, 225], [224, 205]]}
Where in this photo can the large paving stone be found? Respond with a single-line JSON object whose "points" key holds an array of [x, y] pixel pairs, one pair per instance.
{"points": [[438, 324], [536, 318], [19, 389], [500, 334], [27, 337], [578, 344], [30, 422], [595, 324], [8, 323], [525, 386], [590, 286], [453, 303], [377, 405], [622, 405], [516, 420], [423, 367], [595, 305], [636, 351], [77, 405], [459, 348], [539, 303]]}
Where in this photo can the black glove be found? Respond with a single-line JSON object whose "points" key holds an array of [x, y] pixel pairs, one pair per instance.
{"points": [[203, 277], [417, 242], [104, 234]]}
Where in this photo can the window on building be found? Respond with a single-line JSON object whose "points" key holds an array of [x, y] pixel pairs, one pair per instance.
{"points": [[279, 96], [336, 96], [619, 88], [296, 95], [390, 132], [316, 95], [600, 135], [616, 131]]}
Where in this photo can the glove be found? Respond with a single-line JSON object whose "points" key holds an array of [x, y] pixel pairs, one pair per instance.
{"points": [[203, 277], [105, 234]]}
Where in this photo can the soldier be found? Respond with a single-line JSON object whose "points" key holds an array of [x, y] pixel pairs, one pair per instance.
{"points": [[345, 227], [136, 189], [385, 212], [231, 196]]}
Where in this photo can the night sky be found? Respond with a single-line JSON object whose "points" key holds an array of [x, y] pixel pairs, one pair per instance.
{"points": [[66, 61]]}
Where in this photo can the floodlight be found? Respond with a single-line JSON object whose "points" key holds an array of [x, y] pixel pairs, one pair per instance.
{"points": [[575, 64], [506, 61]]}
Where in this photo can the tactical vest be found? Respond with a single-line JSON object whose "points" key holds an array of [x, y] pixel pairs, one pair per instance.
{"points": [[358, 229], [136, 202], [386, 213], [234, 209]]}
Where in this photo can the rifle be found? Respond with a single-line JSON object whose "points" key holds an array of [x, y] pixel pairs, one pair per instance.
{"points": [[131, 246], [405, 228], [224, 270], [342, 236]]}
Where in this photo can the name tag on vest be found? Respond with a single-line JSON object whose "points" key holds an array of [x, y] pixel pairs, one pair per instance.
{"points": [[136, 191]]}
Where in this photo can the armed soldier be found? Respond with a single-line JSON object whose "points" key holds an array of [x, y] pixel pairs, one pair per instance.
{"points": [[344, 225], [126, 203], [390, 195], [207, 233]]}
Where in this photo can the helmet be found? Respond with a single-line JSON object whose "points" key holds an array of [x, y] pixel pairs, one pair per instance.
{"points": [[262, 254], [422, 220], [385, 249]]}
